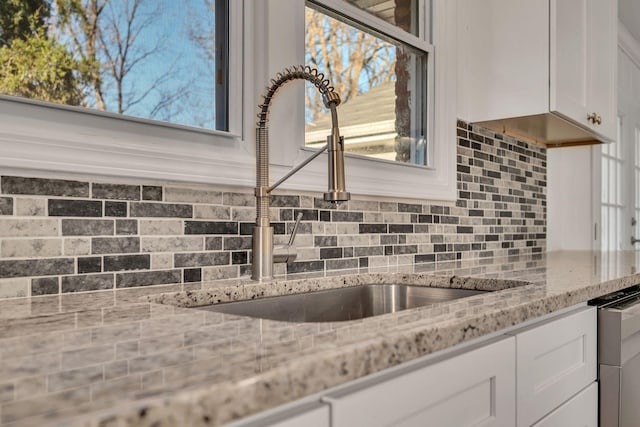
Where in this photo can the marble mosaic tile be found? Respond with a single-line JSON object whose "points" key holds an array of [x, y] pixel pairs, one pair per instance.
{"points": [[115, 191], [45, 187], [30, 248], [6, 206], [30, 207], [500, 211]]}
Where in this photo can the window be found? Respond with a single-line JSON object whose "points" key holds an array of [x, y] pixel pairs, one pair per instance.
{"points": [[149, 59], [612, 205], [377, 62]]}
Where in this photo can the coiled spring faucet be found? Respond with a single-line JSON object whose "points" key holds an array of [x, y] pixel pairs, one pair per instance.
{"points": [[264, 254]]}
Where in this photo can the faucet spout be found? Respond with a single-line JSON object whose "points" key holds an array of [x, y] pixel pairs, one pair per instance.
{"points": [[262, 256]]}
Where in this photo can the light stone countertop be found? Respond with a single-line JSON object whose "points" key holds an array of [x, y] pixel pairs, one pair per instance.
{"points": [[130, 358]]}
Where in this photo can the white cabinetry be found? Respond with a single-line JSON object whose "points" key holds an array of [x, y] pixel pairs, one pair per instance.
{"points": [[580, 411], [543, 70], [554, 361], [476, 388], [545, 373], [310, 414]]}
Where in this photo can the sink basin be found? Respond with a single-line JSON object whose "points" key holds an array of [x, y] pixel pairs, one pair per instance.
{"points": [[335, 305]]}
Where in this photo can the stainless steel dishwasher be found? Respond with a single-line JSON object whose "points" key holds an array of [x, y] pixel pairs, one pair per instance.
{"points": [[619, 357]]}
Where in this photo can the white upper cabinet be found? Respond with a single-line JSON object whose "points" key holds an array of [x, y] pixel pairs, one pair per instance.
{"points": [[542, 70]]}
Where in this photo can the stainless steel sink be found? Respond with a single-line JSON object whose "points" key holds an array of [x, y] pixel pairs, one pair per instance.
{"points": [[334, 305]]}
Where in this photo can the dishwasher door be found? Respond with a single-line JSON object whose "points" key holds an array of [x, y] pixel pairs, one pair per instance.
{"points": [[619, 391], [619, 364]]}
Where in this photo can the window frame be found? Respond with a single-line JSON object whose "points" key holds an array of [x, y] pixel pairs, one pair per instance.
{"points": [[38, 137], [43, 139], [436, 181]]}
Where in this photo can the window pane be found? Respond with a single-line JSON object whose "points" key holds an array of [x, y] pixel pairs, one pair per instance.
{"points": [[382, 84], [401, 13], [152, 59]]}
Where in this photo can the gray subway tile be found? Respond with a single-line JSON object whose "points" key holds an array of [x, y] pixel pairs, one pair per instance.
{"points": [[75, 378], [152, 193], [363, 251], [282, 201], [6, 206], [30, 207], [172, 244], [87, 227], [126, 227], [160, 227], [212, 212], [192, 195], [118, 209], [164, 210], [324, 241], [89, 265], [201, 259], [14, 287], [239, 257], [408, 207], [192, 275], [127, 262], [305, 266], [45, 286], [13, 227], [345, 216], [44, 187], [128, 280], [85, 208], [31, 248], [36, 267], [115, 245], [115, 191], [239, 199], [210, 227], [342, 264], [232, 243], [326, 253], [86, 282]]}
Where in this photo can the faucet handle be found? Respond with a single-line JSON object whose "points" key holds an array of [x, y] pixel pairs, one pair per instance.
{"points": [[288, 253], [294, 232]]}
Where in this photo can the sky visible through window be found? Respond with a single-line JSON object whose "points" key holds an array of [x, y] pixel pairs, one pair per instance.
{"points": [[152, 59]]}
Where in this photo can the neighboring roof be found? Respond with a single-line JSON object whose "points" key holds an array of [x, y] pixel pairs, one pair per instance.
{"points": [[367, 122]]}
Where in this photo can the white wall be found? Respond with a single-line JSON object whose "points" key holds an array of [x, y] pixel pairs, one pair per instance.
{"points": [[569, 198]]}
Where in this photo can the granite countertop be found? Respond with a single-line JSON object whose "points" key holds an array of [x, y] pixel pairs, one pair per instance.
{"points": [[141, 357]]}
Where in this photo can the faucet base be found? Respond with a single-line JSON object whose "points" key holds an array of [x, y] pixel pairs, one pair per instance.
{"points": [[262, 256]]}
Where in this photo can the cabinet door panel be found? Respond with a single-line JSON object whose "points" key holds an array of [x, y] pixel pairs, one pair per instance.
{"points": [[603, 37], [472, 389], [569, 59], [554, 361], [579, 411]]}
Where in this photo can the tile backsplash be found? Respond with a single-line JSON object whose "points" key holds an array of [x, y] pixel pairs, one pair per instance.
{"points": [[59, 236]]}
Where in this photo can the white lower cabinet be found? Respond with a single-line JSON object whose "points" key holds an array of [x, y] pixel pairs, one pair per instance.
{"points": [[545, 373], [313, 414], [579, 411], [554, 361], [476, 388]]}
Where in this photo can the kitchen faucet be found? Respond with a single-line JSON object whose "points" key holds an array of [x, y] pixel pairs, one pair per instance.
{"points": [[264, 253]]}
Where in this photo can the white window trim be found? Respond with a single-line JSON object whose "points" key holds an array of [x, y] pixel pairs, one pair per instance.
{"points": [[41, 138], [284, 46]]}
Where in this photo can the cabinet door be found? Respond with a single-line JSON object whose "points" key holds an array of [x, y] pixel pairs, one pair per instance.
{"points": [[569, 59], [583, 60], [603, 43], [307, 415], [580, 411], [476, 388], [554, 361]]}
